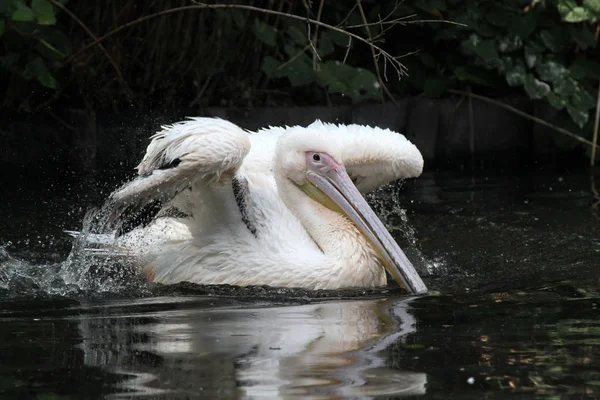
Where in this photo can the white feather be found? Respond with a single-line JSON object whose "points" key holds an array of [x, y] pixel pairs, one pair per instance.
{"points": [[216, 246]]}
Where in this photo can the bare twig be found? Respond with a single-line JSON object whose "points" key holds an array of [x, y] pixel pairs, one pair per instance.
{"points": [[596, 123], [201, 92], [347, 16], [595, 194], [471, 125], [382, 86], [310, 42], [348, 47], [291, 60], [398, 66], [402, 21], [425, 21], [316, 36], [524, 115], [122, 81], [382, 21]]}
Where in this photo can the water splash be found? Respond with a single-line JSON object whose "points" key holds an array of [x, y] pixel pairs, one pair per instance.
{"points": [[94, 266], [82, 274], [386, 201]]}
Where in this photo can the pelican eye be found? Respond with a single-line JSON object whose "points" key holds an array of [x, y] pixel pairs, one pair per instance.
{"points": [[316, 157]]}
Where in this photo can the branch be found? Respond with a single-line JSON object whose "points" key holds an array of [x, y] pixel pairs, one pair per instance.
{"points": [[375, 63], [122, 81], [316, 36], [525, 115], [398, 66], [402, 21], [596, 123], [291, 60]]}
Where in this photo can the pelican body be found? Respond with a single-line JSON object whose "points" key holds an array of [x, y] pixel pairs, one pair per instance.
{"points": [[215, 204]]}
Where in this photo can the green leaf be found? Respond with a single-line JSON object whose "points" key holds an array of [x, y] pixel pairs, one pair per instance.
{"points": [[428, 60], [523, 25], [338, 38], [53, 44], [499, 17], [447, 34], [239, 18], [298, 35], [535, 88], [583, 36], [10, 61], [565, 6], [265, 33], [5, 8], [592, 5], [487, 50], [577, 14], [565, 87], [584, 68], [343, 72], [325, 76], [325, 45], [44, 12], [470, 44], [364, 84], [486, 30], [299, 72], [580, 117], [23, 13], [509, 43], [552, 71], [532, 56], [38, 68], [556, 101], [269, 66], [582, 99], [516, 76], [434, 86], [554, 40], [338, 87], [475, 74]]}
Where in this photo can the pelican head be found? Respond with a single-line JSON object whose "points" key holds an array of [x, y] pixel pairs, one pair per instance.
{"points": [[311, 159]]}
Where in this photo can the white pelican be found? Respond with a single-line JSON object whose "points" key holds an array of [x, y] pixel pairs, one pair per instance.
{"points": [[215, 204]]}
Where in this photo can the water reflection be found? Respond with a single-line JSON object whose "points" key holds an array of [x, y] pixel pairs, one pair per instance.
{"points": [[313, 350], [542, 342]]}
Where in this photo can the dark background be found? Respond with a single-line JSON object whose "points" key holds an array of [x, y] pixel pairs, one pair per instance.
{"points": [[84, 84]]}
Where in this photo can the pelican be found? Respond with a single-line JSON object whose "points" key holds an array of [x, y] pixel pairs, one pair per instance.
{"points": [[216, 204]]}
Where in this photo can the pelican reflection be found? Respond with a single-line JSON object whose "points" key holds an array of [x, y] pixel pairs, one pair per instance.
{"points": [[208, 347]]}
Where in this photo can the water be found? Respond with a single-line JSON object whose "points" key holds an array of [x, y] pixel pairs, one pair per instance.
{"points": [[512, 261]]}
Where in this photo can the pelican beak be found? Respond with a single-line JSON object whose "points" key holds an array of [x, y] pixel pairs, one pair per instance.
{"points": [[338, 187]]}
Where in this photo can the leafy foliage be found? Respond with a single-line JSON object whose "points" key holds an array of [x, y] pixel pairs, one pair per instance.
{"points": [[547, 50], [295, 60], [32, 44]]}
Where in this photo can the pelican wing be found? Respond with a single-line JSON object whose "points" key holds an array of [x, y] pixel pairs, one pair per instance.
{"points": [[372, 156], [198, 149]]}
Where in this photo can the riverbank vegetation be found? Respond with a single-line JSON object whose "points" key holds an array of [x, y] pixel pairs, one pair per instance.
{"points": [[179, 54]]}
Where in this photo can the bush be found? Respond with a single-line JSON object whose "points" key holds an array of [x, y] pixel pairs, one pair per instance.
{"points": [[544, 49]]}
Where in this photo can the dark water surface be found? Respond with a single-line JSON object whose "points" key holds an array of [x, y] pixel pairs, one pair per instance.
{"points": [[513, 264]]}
